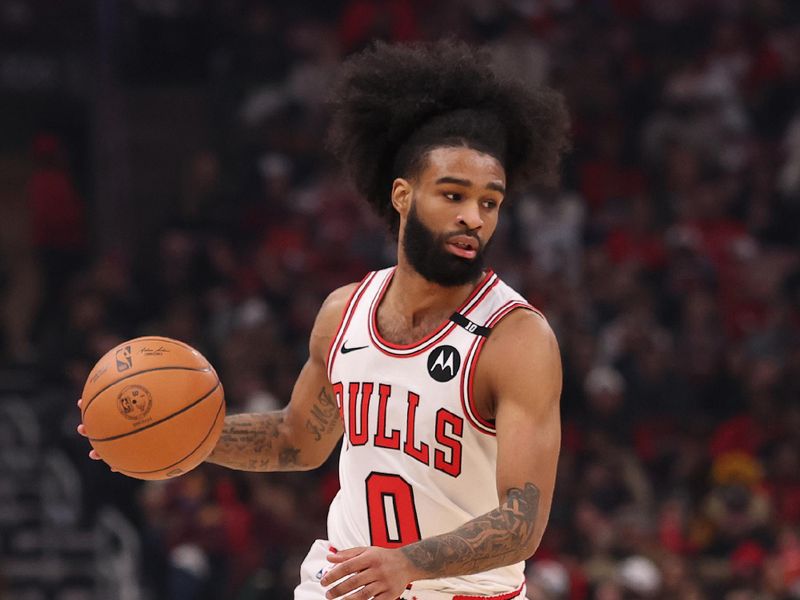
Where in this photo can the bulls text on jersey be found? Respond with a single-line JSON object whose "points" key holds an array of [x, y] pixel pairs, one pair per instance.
{"points": [[445, 439]]}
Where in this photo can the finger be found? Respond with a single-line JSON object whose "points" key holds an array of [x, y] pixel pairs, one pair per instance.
{"points": [[354, 565], [82, 430], [348, 585], [365, 593], [343, 555], [80, 400]]}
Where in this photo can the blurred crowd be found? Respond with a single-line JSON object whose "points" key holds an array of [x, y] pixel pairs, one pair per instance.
{"points": [[667, 262]]}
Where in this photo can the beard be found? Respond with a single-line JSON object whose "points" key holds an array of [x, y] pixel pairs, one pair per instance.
{"points": [[427, 254]]}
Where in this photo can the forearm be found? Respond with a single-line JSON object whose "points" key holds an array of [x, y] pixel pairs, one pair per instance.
{"points": [[503, 536], [258, 442]]}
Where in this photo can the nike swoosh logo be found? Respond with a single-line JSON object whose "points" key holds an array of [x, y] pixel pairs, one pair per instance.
{"points": [[345, 349]]}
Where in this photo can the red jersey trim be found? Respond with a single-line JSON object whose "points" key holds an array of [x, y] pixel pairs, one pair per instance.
{"points": [[347, 316], [408, 350], [518, 593], [467, 404], [507, 596], [468, 373]]}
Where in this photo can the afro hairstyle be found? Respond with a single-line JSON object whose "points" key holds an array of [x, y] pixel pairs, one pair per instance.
{"points": [[394, 103]]}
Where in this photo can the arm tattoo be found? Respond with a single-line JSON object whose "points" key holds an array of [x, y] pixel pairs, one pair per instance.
{"points": [[324, 415], [254, 442], [259, 442], [288, 457], [500, 537]]}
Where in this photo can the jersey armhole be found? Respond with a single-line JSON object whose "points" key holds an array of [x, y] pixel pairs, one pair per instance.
{"points": [[347, 315], [471, 363]]}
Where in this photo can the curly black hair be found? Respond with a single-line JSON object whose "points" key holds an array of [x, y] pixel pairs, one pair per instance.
{"points": [[395, 103]]}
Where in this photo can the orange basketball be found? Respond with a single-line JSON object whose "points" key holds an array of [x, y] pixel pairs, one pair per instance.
{"points": [[153, 408]]}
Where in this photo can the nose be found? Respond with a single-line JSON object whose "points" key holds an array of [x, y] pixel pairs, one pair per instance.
{"points": [[470, 217]]}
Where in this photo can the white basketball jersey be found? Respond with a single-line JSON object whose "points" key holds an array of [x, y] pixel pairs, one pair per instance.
{"points": [[416, 460]]}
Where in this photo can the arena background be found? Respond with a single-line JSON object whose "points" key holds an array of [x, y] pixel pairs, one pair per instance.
{"points": [[162, 172]]}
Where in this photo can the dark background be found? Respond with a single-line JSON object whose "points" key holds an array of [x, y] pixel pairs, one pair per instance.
{"points": [[162, 172]]}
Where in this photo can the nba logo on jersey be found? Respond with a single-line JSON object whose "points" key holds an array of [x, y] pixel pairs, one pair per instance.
{"points": [[443, 363]]}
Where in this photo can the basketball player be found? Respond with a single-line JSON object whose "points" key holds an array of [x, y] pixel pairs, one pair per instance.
{"points": [[443, 380]]}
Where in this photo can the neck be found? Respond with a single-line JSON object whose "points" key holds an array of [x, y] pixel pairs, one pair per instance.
{"points": [[413, 296]]}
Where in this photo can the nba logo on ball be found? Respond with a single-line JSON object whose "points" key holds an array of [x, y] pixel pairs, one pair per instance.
{"points": [[124, 359], [134, 402], [158, 410]]}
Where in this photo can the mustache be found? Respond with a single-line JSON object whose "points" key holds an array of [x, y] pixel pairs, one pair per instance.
{"points": [[468, 232]]}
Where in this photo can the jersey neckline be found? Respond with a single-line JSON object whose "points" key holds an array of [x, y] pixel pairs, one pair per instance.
{"points": [[479, 291]]}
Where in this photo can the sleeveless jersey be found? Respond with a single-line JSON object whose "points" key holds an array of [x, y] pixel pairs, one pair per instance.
{"points": [[417, 460]]}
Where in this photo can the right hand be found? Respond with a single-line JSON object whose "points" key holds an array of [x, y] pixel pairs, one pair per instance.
{"points": [[82, 430]]}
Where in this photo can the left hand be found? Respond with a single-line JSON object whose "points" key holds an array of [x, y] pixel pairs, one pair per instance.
{"points": [[382, 573]]}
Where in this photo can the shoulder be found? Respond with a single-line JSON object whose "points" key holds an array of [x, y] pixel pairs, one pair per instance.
{"points": [[329, 317], [337, 301], [521, 326], [522, 346], [332, 309]]}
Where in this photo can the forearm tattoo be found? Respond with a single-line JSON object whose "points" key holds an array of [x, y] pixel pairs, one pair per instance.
{"points": [[324, 415], [258, 442], [501, 537], [254, 442]]}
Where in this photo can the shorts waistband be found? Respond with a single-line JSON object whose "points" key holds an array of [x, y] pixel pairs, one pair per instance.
{"points": [[519, 593]]}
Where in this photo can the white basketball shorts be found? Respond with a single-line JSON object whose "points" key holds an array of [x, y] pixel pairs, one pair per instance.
{"points": [[316, 565]]}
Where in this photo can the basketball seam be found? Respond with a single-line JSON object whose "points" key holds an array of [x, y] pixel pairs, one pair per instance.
{"points": [[167, 418], [116, 381], [213, 424]]}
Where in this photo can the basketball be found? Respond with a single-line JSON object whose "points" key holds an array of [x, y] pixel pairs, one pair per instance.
{"points": [[153, 408]]}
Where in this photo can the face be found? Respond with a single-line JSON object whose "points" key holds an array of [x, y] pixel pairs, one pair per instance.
{"points": [[448, 214]]}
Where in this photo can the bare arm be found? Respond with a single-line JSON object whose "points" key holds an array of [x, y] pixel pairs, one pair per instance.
{"points": [[500, 537], [521, 370], [302, 435], [522, 363]]}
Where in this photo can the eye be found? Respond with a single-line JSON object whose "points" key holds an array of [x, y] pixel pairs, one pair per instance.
{"points": [[489, 204], [453, 196]]}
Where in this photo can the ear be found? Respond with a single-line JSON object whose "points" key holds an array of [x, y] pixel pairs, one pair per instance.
{"points": [[402, 191]]}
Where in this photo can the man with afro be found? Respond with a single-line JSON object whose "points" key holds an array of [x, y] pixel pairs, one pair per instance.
{"points": [[443, 381]]}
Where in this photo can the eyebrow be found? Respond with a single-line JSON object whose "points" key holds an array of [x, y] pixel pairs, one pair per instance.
{"points": [[497, 187]]}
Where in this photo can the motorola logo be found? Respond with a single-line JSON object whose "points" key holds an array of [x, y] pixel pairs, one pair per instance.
{"points": [[443, 363]]}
